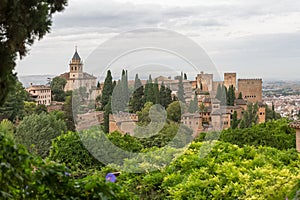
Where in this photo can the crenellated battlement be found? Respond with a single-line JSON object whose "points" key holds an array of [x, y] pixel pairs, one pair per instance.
{"points": [[250, 79]]}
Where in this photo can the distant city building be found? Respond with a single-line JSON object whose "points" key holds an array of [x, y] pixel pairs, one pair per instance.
{"points": [[40, 93]]}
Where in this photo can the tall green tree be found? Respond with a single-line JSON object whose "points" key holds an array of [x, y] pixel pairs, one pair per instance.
{"points": [[235, 121], [222, 94], [39, 130], [163, 95], [156, 92], [230, 96], [240, 95], [107, 112], [271, 113], [149, 91], [168, 96], [143, 115], [180, 93], [107, 90], [120, 98], [193, 107], [69, 111], [250, 116], [21, 22], [13, 108], [185, 76], [57, 89], [137, 100], [174, 111]]}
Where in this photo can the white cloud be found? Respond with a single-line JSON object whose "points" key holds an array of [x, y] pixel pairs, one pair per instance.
{"points": [[241, 26]]}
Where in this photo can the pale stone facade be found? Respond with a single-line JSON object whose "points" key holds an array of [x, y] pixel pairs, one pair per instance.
{"points": [[40, 93], [193, 121], [76, 77]]}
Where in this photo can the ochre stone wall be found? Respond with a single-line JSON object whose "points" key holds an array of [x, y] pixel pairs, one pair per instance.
{"points": [[230, 79], [251, 89]]}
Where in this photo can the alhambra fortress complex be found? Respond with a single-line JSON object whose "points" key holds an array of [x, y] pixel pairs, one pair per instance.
{"points": [[214, 117]]}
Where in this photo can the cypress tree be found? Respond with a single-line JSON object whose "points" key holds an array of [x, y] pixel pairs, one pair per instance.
{"points": [[163, 95], [240, 95], [169, 97], [193, 107], [185, 76], [222, 94], [180, 94], [150, 91], [230, 96], [156, 92], [234, 122], [137, 101], [107, 111], [107, 90]]}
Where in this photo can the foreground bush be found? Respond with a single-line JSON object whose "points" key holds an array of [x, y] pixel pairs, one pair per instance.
{"points": [[275, 134], [23, 176], [226, 172]]}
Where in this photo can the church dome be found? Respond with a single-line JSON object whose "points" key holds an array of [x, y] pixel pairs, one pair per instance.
{"points": [[76, 56]]}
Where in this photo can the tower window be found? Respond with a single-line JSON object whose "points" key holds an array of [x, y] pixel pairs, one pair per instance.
{"points": [[75, 68], [72, 68]]}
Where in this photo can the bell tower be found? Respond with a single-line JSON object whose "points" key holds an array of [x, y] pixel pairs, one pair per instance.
{"points": [[76, 66]]}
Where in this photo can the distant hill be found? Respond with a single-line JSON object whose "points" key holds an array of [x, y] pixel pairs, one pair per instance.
{"points": [[34, 79]]}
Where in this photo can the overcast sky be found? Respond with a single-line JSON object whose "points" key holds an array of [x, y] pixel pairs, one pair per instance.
{"points": [[257, 38]]}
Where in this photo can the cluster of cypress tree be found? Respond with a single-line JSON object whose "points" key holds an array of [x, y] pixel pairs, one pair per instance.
{"points": [[226, 96], [115, 96], [150, 93]]}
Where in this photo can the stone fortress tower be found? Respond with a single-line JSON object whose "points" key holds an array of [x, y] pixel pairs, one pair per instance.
{"points": [[251, 89], [230, 79]]}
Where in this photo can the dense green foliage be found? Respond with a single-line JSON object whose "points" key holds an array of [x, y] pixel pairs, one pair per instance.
{"points": [[23, 176], [165, 136], [250, 116], [32, 108], [275, 134], [68, 113], [271, 114], [13, 107], [68, 149], [21, 22], [227, 172], [174, 111], [57, 89], [36, 132]]}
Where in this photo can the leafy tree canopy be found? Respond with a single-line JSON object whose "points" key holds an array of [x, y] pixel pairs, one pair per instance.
{"points": [[21, 23], [36, 132]]}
